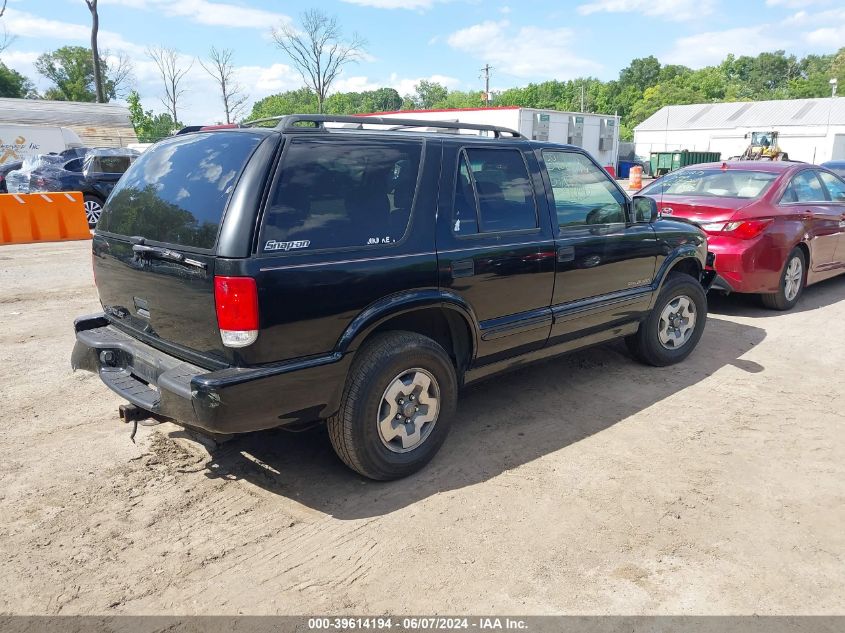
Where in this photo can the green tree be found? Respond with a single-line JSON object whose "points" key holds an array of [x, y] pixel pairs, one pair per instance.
{"points": [[301, 101], [149, 127], [385, 100], [428, 94], [71, 69], [641, 73], [13, 84]]}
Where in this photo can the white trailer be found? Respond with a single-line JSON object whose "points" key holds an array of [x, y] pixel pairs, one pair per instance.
{"points": [[596, 133], [20, 142]]}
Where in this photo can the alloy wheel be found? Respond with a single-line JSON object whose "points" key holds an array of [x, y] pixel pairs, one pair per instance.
{"points": [[93, 209], [408, 410], [677, 322], [793, 278]]}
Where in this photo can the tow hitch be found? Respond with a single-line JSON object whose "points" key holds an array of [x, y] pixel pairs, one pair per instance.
{"points": [[131, 413]]}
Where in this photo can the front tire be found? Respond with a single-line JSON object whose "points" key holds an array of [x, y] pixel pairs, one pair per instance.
{"points": [[793, 278], [397, 406], [675, 324]]}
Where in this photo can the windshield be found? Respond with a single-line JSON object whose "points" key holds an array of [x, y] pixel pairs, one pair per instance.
{"points": [[713, 183], [177, 190]]}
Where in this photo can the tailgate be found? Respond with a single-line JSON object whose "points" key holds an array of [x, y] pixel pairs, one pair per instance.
{"points": [[160, 301]]}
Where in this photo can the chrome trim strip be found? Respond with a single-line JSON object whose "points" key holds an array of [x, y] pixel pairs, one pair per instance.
{"points": [[489, 246], [345, 261]]}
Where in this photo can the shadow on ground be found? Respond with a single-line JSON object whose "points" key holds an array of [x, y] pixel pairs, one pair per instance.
{"points": [[501, 424], [817, 296]]}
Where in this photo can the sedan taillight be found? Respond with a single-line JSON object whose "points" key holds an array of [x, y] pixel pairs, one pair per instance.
{"points": [[742, 229]]}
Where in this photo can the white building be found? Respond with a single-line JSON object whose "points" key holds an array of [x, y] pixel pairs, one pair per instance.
{"points": [[596, 133], [810, 130]]}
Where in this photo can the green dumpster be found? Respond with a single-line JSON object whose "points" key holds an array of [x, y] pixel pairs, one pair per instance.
{"points": [[664, 162]]}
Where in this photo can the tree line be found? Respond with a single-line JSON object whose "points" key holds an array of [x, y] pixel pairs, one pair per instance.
{"points": [[319, 51], [641, 89]]}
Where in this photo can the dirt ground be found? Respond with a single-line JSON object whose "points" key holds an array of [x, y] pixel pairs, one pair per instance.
{"points": [[587, 485]]}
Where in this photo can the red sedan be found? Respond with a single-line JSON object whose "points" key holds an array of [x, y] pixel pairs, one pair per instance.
{"points": [[775, 227]]}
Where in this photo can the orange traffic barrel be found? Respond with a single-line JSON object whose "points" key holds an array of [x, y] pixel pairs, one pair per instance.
{"points": [[635, 179]]}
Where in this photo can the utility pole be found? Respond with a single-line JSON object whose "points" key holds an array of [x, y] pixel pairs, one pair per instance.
{"points": [[486, 70], [582, 98]]}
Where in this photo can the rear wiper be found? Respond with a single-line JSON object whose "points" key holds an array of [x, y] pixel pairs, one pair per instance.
{"points": [[165, 253]]}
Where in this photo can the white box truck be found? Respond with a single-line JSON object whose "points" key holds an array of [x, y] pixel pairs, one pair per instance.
{"points": [[19, 142]]}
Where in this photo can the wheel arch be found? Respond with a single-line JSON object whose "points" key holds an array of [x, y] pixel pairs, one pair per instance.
{"points": [[443, 317], [686, 260], [805, 248]]}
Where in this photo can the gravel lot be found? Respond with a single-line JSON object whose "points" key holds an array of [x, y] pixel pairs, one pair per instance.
{"points": [[588, 484]]}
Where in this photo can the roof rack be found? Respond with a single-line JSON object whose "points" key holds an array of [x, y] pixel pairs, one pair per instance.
{"points": [[289, 123]]}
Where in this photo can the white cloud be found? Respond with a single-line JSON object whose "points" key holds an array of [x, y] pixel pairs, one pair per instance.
{"points": [[823, 31], [795, 4], [405, 86], [413, 5], [267, 80], [209, 13], [354, 84], [705, 49], [23, 24], [678, 10], [529, 51], [831, 37]]}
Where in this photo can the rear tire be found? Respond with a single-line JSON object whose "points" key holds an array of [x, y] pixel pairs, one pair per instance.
{"points": [[793, 278], [93, 210], [397, 406], [675, 324]]}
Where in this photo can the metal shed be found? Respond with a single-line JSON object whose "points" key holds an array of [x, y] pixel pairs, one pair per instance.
{"points": [[97, 124], [811, 130]]}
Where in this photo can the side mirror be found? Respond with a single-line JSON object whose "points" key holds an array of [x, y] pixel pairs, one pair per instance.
{"points": [[645, 209]]}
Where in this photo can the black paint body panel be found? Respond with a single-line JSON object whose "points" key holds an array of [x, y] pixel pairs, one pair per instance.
{"points": [[523, 295]]}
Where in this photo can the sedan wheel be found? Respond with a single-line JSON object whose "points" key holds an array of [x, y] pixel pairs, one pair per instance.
{"points": [[791, 282], [793, 278]]}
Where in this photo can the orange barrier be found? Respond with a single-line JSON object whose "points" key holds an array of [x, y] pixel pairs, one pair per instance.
{"points": [[635, 179], [42, 217]]}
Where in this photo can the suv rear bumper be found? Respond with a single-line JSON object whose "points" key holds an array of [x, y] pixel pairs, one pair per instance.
{"points": [[231, 400]]}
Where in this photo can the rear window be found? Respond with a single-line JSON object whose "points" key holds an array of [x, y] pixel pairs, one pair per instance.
{"points": [[713, 183], [341, 193], [176, 192], [109, 164]]}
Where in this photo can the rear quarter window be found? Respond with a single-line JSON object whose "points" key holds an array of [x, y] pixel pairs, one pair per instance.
{"points": [[176, 192], [339, 193]]}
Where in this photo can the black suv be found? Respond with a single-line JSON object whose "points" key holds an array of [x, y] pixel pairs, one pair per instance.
{"points": [[361, 274]]}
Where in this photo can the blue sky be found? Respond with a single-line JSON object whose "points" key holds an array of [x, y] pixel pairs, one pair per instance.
{"points": [[444, 40]]}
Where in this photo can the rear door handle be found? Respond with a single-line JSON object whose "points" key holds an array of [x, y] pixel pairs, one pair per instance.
{"points": [[463, 268]]}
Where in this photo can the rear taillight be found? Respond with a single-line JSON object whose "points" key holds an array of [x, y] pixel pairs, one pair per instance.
{"points": [[743, 229], [236, 301]]}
